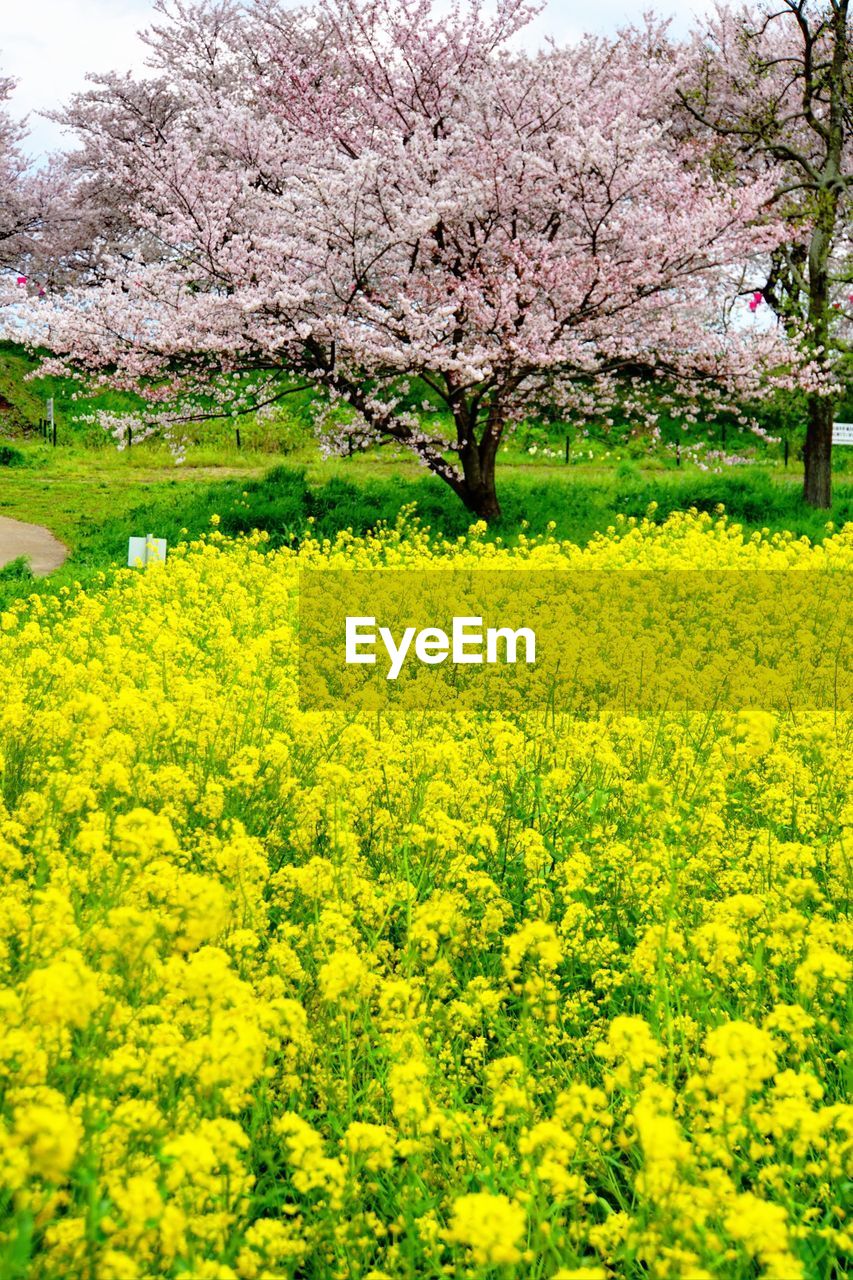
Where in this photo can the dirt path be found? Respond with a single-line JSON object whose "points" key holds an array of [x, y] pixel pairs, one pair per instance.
{"points": [[38, 544]]}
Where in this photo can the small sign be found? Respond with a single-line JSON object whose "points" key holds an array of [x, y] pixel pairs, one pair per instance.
{"points": [[842, 433], [147, 550]]}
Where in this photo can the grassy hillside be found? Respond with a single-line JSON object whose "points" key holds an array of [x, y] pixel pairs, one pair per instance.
{"points": [[711, 444], [21, 402], [24, 395]]}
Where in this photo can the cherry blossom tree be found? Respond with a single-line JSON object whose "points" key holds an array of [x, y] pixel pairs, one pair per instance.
{"points": [[16, 211], [370, 197], [39, 220], [773, 86]]}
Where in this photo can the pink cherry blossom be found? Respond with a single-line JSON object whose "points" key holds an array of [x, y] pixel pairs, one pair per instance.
{"points": [[366, 192], [769, 87]]}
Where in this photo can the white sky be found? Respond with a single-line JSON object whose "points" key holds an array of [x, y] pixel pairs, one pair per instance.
{"points": [[48, 46]]}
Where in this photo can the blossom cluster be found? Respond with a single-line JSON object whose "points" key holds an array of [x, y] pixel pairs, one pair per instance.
{"points": [[294, 993]]}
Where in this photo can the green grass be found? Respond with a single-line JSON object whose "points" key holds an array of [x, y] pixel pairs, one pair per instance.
{"points": [[17, 570], [579, 502], [94, 500], [23, 403], [94, 497]]}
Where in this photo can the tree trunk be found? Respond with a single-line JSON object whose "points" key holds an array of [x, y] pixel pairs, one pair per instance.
{"points": [[478, 458], [478, 488], [817, 484], [480, 494]]}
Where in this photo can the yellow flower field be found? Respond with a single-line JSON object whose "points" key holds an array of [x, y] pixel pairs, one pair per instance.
{"points": [[309, 994]]}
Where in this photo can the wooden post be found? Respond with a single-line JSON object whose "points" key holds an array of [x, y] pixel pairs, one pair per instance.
{"points": [[786, 451], [568, 448], [129, 436], [237, 429], [678, 453]]}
